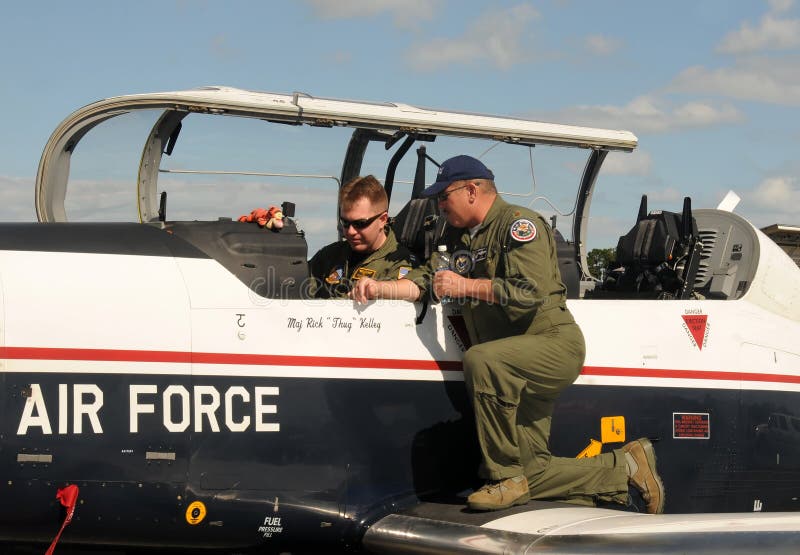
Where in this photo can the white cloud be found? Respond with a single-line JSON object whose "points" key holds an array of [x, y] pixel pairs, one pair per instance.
{"points": [[774, 200], [777, 193], [771, 80], [18, 199], [406, 13], [600, 45], [771, 33], [605, 231], [496, 38], [651, 114], [637, 162], [316, 202], [778, 6], [670, 195]]}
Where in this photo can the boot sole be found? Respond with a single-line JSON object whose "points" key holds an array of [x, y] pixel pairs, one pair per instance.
{"points": [[521, 500]]}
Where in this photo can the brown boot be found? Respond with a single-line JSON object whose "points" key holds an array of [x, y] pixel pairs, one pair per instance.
{"points": [[641, 460], [500, 495]]}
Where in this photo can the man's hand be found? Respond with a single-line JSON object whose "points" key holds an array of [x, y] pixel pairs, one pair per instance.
{"points": [[449, 284], [456, 286], [364, 290], [367, 289]]}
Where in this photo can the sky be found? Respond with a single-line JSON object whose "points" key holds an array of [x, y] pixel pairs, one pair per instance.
{"points": [[710, 87]]}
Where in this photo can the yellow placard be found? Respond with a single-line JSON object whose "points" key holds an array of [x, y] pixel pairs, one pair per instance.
{"points": [[195, 513], [612, 429], [592, 450]]}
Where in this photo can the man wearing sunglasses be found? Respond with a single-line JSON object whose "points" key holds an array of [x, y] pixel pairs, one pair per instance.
{"points": [[370, 249], [526, 348]]}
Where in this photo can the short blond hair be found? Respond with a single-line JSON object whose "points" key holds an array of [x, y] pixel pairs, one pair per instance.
{"points": [[363, 187]]}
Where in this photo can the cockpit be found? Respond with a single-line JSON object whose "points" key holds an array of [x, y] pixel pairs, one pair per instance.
{"points": [[193, 182]]}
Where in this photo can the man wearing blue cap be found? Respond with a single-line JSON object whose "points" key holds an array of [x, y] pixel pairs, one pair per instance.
{"points": [[526, 348]]}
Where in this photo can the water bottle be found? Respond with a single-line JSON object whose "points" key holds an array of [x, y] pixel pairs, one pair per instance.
{"points": [[441, 261]]}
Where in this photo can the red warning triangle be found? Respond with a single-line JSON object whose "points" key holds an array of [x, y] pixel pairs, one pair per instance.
{"points": [[697, 327]]}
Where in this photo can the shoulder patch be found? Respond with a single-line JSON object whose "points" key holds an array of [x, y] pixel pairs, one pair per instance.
{"points": [[335, 276], [523, 230], [402, 272]]}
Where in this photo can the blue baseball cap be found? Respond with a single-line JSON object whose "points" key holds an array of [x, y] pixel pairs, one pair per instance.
{"points": [[457, 168]]}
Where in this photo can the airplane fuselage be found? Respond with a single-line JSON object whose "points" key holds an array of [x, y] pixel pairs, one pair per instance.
{"points": [[190, 410]]}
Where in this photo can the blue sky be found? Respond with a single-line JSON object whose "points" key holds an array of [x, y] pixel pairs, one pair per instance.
{"points": [[710, 87]]}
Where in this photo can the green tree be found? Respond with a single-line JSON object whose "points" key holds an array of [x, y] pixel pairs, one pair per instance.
{"points": [[600, 259]]}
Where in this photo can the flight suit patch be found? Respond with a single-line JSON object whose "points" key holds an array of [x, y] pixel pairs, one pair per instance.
{"points": [[480, 254], [462, 262], [335, 276], [523, 230], [363, 272], [401, 273]]}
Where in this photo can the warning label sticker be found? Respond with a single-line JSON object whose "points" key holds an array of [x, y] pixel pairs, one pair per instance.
{"points": [[697, 328], [691, 425], [195, 513]]}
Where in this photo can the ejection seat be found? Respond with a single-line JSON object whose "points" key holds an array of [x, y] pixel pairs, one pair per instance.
{"points": [[418, 225], [658, 258]]}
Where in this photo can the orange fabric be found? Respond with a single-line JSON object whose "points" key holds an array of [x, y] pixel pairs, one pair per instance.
{"points": [[262, 216]]}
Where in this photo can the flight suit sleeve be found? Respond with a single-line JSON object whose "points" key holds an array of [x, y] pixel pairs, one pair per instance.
{"points": [[421, 276], [398, 264], [519, 262], [318, 268], [312, 283]]}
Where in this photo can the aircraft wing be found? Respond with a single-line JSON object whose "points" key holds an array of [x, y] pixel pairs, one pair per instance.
{"points": [[557, 528]]}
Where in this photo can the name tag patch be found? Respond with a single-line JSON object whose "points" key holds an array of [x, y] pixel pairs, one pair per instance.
{"points": [[363, 272]]}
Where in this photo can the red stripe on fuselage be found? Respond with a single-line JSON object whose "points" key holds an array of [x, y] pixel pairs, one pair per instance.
{"points": [[114, 355], [102, 355], [687, 374], [127, 355]]}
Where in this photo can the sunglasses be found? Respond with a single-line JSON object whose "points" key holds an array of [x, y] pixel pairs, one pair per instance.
{"points": [[441, 197], [359, 224]]}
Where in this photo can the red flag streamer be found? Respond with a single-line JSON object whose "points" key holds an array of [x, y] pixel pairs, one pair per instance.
{"points": [[68, 496]]}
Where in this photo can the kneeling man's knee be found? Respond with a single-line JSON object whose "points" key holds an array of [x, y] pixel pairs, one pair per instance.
{"points": [[476, 369]]}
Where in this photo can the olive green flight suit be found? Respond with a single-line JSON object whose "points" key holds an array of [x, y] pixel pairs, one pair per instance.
{"points": [[333, 278], [526, 349]]}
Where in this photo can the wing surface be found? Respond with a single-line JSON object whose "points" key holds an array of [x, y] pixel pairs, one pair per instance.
{"points": [[557, 528]]}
